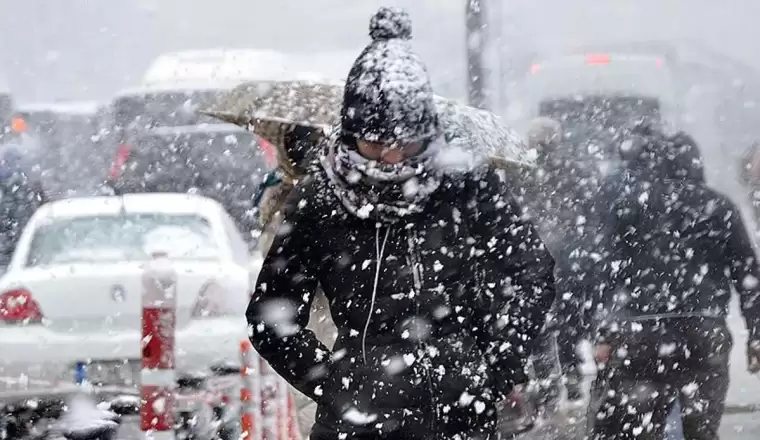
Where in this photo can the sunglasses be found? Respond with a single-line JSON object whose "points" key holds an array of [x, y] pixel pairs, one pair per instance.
{"points": [[377, 151]]}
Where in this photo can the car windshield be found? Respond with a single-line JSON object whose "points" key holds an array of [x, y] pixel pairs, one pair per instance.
{"points": [[162, 109], [117, 238]]}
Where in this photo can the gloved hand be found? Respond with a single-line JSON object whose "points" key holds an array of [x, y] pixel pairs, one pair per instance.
{"points": [[753, 356]]}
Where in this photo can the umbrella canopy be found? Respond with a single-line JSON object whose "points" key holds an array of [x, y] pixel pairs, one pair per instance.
{"points": [[274, 110]]}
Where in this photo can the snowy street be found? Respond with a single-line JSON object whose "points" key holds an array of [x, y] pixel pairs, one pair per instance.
{"points": [[745, 426], [734, 427], [193, 218], [737, 424]]}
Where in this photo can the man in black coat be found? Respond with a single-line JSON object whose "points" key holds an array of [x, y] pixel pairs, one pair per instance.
{"points": [[436, 284], [676, 250]]}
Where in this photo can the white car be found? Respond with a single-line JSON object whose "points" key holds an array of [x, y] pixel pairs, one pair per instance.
{"points": [[72, 292]]}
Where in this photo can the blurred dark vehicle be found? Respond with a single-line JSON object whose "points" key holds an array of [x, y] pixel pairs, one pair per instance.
{"points": [[60, 123], [162, 106], [177, 84], [67, 134], [140, 109], [220, 161], [591, 123]]}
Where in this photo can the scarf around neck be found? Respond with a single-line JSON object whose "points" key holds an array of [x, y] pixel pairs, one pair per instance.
{"points": [[372, 190]]}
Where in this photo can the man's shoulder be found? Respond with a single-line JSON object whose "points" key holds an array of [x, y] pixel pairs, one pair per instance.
{"points": [[473, 182], [314, 197]]}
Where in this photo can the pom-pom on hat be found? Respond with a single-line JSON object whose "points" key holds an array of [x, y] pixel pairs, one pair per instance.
{"points": [[388, 96]]}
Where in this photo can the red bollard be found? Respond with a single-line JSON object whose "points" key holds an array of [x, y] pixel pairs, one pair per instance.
{"points": [[250, 394], [158, 377], [282, 409], [293, 428], [269, 402]]}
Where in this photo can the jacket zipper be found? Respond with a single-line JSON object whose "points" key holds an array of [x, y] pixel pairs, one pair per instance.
{"points": [[424, 361]]}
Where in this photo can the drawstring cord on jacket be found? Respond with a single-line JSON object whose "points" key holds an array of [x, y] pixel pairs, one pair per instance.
{"points": [[379, 251]]}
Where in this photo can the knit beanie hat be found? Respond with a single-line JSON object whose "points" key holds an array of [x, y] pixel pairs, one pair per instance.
{"points": [[388, 96]]}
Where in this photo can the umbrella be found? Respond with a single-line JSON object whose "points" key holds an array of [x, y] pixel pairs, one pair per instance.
{"points": [[274, 110]]}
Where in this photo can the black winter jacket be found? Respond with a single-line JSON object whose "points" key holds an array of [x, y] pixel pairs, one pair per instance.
{"points": [[436, 314], [677, 249]]}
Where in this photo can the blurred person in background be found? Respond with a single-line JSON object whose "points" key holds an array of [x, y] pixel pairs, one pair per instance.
{"points": [[676, 249], [559, 195], [436, 284], [21, 194]]}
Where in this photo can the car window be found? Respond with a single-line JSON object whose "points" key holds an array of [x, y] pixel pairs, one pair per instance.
{"points": [[129, 237]]}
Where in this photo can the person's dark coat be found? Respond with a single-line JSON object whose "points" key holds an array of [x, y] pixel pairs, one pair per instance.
{"points": [[436, 313], [678, 247]]}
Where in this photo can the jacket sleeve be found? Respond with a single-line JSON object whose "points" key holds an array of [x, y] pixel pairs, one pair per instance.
{"points": [[517, 280], [280, 306], [745, 272]]}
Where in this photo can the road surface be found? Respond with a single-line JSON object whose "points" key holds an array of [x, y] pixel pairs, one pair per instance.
{"points": [[744, 426], [734, 427]]}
